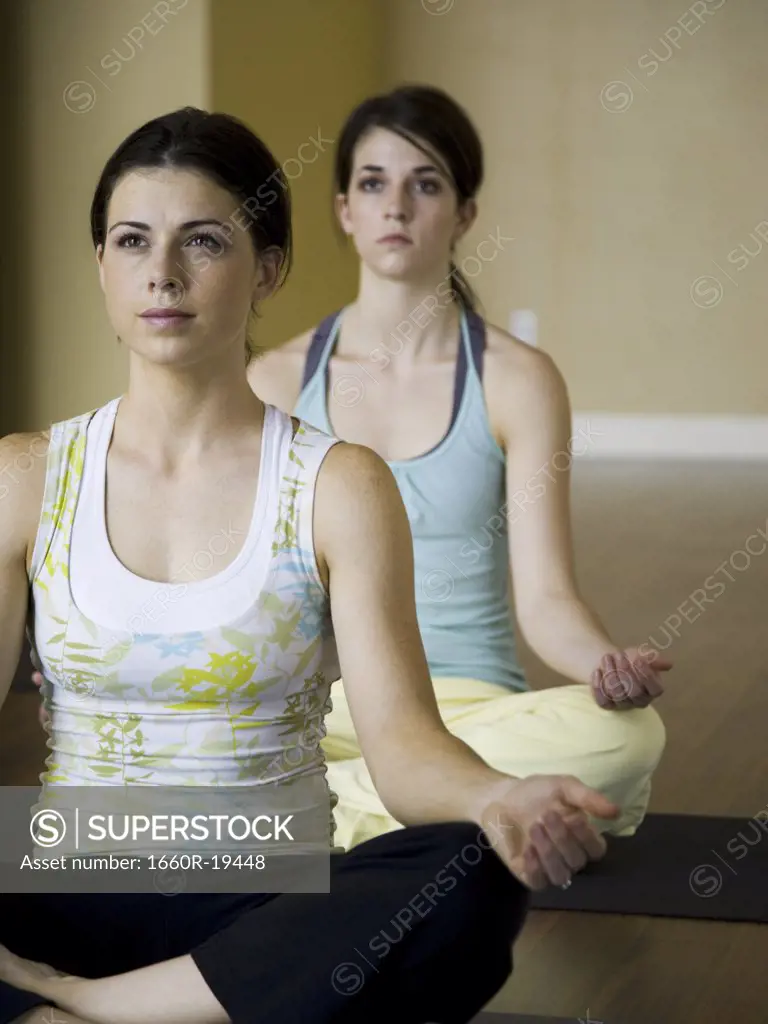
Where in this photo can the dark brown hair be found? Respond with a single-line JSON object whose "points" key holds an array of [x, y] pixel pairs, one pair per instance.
{"points": [[425, 116], [225, 150]]}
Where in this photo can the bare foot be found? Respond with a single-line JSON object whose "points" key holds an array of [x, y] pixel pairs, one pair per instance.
{"points": [[29, 975], [48, 1015]]}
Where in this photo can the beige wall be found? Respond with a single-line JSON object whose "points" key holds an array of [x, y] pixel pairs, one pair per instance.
{"points": [[618, 204], [12, 333], [293, 71], [90, 73]]}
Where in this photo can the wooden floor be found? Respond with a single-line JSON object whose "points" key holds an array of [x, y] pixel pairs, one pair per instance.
{"points": [[647, 537]]}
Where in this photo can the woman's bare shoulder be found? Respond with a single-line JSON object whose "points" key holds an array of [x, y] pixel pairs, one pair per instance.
{"points": [[297, 345], [357, 488], [524, 388], [276, 374], [516, 365], [22, 483], [23, 455], [358, 509]]}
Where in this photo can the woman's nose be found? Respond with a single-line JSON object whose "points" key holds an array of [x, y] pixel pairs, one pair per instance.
{"points": [[398, 205], [396, 213], [167, 292]]}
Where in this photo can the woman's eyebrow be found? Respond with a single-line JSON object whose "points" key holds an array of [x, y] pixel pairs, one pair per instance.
{"points": [[423, 169], [185, 226]]}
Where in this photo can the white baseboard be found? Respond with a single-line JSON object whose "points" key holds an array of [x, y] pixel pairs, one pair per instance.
{"points": [[608, 435]]}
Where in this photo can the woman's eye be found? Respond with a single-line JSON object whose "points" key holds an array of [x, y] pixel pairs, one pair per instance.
{"points": [[130, 241], [208, 241], [429, 187], [369, 184]]}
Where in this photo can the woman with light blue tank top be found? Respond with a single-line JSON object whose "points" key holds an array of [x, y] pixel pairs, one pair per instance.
{"points": [[453, 495], [196, 568], [487, 500]]}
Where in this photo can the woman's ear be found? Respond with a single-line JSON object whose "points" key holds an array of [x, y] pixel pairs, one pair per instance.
{"points": [[342, 212], [100, 264], [466, 217], [268, 273]]}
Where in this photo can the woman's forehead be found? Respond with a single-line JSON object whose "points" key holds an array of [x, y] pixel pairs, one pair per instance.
{"points": [[389, 150], [170, 192]]}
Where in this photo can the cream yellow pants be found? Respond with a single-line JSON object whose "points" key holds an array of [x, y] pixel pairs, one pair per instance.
{"points": [[559, 731]]}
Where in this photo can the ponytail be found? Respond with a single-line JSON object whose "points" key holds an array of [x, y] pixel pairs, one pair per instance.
{"points": [[462, 290]]}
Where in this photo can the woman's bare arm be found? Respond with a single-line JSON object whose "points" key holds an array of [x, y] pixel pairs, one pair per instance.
{"points": [[531, 413], [22, 478], [362, 530], [537, 825], [421, 771], [534, 424]]}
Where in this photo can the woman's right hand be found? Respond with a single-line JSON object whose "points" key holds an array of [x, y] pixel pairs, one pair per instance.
{"points": [[539, 826], [42, 715]]}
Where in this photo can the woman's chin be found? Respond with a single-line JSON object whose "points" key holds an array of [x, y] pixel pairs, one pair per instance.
{"points": [[169, 350], [405, 266], [398, 269]]}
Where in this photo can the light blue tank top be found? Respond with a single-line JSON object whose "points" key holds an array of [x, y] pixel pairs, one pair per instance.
{"points": [[455, 498]]}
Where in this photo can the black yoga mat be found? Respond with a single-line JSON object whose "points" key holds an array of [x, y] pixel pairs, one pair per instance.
{"points": [[677, 865]]}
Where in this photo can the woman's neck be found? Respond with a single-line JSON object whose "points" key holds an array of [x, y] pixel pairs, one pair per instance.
{"points": [[418, 319], [181, 413]]}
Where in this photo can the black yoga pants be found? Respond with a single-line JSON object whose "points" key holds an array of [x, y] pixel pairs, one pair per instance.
{"points": [[418, 927]]}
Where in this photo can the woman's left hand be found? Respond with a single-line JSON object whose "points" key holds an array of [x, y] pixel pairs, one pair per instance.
{"points": [[629, 678]]}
